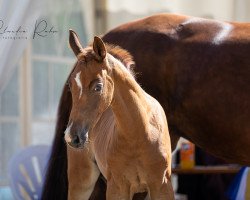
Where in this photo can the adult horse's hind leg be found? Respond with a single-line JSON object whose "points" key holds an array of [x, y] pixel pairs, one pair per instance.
{"points": [[82, 174]]}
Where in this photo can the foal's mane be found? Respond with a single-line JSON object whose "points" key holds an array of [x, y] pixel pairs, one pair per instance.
{"points": [[121, 54]]}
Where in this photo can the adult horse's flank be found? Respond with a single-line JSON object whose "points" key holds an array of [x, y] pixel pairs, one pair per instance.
{"points": [[121, 130], [198, 69]]}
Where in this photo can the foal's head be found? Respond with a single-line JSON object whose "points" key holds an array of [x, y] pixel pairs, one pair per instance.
{"points": [[91, 87]]}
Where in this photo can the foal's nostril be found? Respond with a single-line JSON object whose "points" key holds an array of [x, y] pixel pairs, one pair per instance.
{"points": [[75, 140], [84, 134]]}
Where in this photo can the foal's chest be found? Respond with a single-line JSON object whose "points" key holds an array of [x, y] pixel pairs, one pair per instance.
{"points": [[131, 173]]}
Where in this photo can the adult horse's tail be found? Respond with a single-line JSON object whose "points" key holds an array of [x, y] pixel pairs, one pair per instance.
{"points": [[56, 181]]}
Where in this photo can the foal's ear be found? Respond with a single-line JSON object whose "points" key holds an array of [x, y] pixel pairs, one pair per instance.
{"points": [[74, 42], [99, 48]]}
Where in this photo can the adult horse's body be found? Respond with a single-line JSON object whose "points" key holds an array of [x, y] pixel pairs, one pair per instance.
{"points": [[201, 77], [199, 70]]}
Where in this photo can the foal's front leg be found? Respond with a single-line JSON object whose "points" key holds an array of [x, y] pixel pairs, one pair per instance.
{"points": [[82, 174], [162, 191], [117, 191]]}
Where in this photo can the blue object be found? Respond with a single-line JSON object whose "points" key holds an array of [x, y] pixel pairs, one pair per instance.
{"points": [[27, 170], [234, 187], [5, 193]]}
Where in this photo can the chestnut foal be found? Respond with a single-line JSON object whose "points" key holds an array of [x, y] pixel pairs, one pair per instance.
{"points": [[114, 128]]}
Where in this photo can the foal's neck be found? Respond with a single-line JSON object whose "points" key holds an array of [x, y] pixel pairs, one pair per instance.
{"points": [[130, 105]]}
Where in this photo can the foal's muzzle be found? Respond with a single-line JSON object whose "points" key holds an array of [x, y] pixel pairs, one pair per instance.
{"points": [[77, 140]]}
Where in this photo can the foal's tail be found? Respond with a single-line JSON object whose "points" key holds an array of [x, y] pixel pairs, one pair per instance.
{"points": [[56, 180]]}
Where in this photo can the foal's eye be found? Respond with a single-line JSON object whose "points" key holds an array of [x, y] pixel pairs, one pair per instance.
{"points": [[98, 87]]}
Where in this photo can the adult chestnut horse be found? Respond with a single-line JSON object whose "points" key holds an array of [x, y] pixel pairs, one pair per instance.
{"points": [[120, 130], [198, 69]]}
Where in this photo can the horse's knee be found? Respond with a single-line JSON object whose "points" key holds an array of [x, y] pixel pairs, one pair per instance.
{"points": [[161, 191], [115, 192], [82, 175]]}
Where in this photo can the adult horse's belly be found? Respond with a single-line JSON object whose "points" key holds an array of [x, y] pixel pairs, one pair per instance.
{"points": [[216, 114]]}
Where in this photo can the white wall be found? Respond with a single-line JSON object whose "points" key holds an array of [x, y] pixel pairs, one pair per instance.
{"points": [[120, 11], [221, 10]]}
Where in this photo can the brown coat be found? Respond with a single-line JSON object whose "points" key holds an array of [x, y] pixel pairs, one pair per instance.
{"points": [[199, 70]]}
